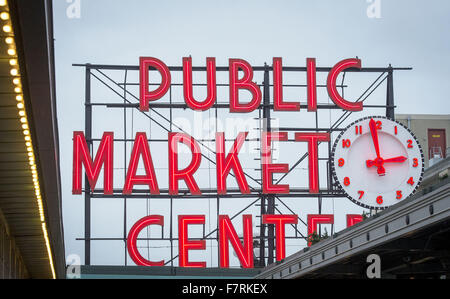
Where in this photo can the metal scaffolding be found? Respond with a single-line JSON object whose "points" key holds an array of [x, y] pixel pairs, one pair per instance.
{"points": [[268, 204]]}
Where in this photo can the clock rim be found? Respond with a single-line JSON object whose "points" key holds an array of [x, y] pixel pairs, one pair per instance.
{"points": [[333, 168]]}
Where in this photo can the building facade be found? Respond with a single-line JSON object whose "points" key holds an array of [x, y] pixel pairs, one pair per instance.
{"points": [[432, 131]]}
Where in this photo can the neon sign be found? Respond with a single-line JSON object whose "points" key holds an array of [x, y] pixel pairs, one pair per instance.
{"points": [[240, 79]]}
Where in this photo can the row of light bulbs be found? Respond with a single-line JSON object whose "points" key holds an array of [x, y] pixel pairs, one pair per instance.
{"points": [[16, 80]]}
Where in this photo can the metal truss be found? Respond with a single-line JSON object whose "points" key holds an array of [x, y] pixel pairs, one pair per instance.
{"points": [[269, 204]]}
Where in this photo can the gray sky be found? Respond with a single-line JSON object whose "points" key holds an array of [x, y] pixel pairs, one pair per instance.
{"points": [[408, 33]]}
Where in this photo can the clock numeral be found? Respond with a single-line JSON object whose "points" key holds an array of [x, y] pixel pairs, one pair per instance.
{"points": [[399, 194], [361, 193], [380, 200], [358, 130], [346, 143], [415, 162], [378, 124], [409, 143], [395, 130], [346, 181], [411, 181], [341, 162]]}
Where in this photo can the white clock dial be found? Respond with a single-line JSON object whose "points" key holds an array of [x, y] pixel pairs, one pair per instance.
{"points": [[377, 162]]}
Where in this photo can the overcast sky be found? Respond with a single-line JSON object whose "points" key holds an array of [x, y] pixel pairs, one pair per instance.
{"points": [[404, 33]]}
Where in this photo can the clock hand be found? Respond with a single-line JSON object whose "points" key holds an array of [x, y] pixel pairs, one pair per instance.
{"points": [[374, 133], [379, 160], [398, 159]]}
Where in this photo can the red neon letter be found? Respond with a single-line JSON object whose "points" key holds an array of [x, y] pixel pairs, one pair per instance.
{"points": [[184, 245], [313, 220], [278, 103], [224, 165], [184, 174], [244, 83], [132, 239], [331, 84], [313, 160], [227, 233], [280, 221], [267, 166], [81, 156], [141, 148], [211, 82], [311, 84], [145, 95], [352, 219]]}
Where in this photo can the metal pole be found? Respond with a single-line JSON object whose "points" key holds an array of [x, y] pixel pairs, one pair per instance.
{"points": [[270, 199], [87, 192], [124, 168], [390, 94]]}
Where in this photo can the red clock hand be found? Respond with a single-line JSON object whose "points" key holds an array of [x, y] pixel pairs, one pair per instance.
{"points": [[398, 159], [378, 160], [374, 133]]}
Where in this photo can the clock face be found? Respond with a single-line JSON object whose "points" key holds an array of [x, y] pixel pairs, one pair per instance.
{"points": [[377, 162]]}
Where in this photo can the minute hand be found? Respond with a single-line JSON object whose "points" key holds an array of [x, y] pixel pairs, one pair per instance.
{"points": [[374, 133], [379, 160]]}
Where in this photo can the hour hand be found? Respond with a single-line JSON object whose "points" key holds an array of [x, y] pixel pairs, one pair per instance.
{"points": [[398, 159]]}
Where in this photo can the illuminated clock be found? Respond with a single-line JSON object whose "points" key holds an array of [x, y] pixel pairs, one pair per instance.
{"points": [[377, 162]]}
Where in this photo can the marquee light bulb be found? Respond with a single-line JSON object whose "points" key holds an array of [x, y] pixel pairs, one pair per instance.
{"points": [[13, 61], [4, 16], [23, 120], [16, 81], [7, 28], [26, 133], [20, 105], [14, 72], [22, 113], [17, 90], [2, 2], [9, 40], [11, 52], [27, 138], [19, 98]]}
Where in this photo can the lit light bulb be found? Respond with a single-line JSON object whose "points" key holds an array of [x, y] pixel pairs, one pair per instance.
{"points": [[13, 61], [23, 120], [16, 81], [17, 90], [19, 98], [21, 113], [14, 72], [11, 52], [20, 105], [2, 2], [4, 16], [7, 28], [9, 40]]}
